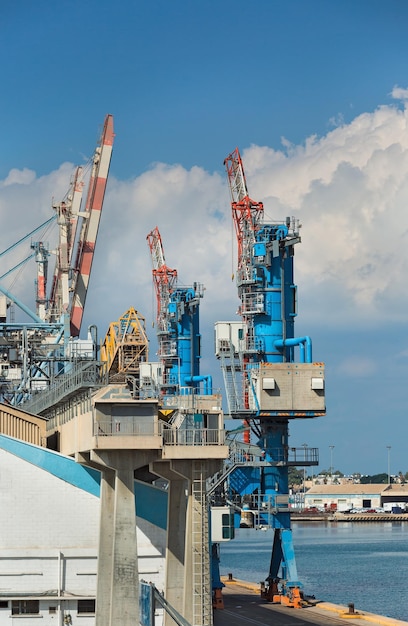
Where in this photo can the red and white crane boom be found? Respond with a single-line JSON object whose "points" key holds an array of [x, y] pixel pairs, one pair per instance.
{"points": [[67, 213], [90, 225]]}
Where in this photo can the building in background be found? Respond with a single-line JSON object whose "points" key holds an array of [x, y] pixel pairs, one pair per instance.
{"points": [[357, 496]]}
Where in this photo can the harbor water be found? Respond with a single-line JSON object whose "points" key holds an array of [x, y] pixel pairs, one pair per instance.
{"points": [[361, 563]]}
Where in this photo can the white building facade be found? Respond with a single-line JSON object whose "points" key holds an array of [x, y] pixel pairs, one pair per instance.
{"points": [[49, 520], [344, 497]]}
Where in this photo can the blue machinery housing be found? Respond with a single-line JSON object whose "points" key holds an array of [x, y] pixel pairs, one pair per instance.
{"points": [[279, 380]]}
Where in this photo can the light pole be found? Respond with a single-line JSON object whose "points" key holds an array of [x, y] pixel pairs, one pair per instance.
{"points": [[389, 473], [331, 463], [304, 446]]}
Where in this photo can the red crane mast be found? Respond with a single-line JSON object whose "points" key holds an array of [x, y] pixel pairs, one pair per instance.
{"points": [[164, 278], [248, 218], [246, 213]]}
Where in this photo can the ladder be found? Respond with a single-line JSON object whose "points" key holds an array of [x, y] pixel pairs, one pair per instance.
{"points": [[202, 592]]}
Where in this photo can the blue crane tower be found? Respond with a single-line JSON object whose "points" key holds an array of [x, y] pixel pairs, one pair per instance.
{"points": [[178, 330], [269, 374]]}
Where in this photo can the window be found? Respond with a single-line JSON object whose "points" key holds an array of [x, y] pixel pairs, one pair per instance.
{"points": [[25, 607], [86, 606], [228, 526], [3, 604]]}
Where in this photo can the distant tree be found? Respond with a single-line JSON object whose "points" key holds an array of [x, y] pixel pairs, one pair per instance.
{"points": [[329, 473], [295, 476], [375, 479]]}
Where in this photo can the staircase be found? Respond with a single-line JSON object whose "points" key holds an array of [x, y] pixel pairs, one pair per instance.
{"points": [[231, 367]]}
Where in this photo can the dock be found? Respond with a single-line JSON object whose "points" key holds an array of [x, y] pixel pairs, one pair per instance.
{"points": [[370, 517], [244, 606], [349, 517]]}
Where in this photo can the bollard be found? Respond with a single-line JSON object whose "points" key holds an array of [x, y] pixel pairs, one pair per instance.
{"points": [[229, 576], [351, 608]]}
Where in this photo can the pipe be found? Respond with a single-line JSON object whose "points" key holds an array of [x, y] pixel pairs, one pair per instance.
{"points": [[207, 380], [301, 342], [93, 333]]}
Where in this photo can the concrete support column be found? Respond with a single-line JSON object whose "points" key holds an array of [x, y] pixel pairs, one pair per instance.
{"points": [[105, 552], [186, 469], [176, 533], [118, 575], [125, 573]]}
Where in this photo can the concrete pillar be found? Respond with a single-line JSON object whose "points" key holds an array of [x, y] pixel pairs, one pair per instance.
{"points": [[125, 573], [105, 552], [176, 533], [185, 468], [118, 574]]}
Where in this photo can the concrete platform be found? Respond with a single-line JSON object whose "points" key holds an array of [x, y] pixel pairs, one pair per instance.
{"points": [[243, 606]]}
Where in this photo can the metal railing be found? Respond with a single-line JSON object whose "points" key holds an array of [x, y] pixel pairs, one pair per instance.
{"points": [[193, 436], [85, 374], [171, 436], [124, 428], [246, 455], [242, 453], [260, 509], [149, 599], [190, 398]]}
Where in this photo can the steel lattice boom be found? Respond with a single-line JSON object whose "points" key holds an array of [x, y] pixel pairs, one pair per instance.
{"points": [[247, 214], [165, 278]]}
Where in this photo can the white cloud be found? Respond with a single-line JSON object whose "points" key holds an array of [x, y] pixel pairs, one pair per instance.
{"points": [[399, 93], [19, 177], [26, 203], [349, 189], [359, 366]]}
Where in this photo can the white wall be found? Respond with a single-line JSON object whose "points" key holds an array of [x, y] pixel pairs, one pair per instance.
{"points": [[343, 501], [49, 540]]}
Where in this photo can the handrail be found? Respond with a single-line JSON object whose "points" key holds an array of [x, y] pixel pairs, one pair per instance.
{"points": [[193, 436], [87, 374], [149, 597], [120, 427]]}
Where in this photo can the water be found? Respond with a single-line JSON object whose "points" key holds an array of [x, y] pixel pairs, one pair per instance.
{"points": [[366, 564]]}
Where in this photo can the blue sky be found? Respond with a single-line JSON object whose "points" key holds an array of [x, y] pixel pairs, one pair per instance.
{"points": [[313, 93]]}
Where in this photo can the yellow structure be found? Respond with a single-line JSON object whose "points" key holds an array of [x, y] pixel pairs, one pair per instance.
{"points": [[125, 346]]}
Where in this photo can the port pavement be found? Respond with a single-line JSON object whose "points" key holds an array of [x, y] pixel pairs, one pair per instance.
{"points": [[244, 606]]}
